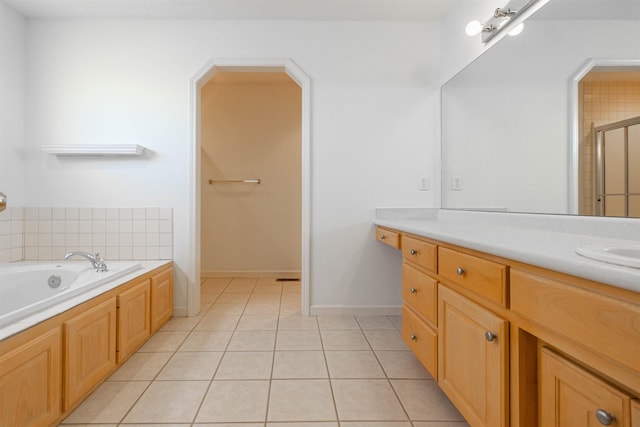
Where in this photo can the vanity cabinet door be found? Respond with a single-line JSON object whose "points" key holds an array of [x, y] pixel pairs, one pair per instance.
{"points": [[30, 379], [161, 299], [90, 350], [635, 414], [572, 397], [134, 318], [473, 370]]}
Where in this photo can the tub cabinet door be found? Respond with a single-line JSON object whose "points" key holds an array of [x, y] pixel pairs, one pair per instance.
{"points": [[161, 298], [90, 350], [134, 319], [30, 378]]}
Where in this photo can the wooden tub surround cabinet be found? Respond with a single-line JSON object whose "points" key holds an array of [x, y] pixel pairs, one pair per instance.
{"points": [[515, 345], [48, 369]]}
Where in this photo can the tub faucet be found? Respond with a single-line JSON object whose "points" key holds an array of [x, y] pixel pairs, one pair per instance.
{"points": [[95, 260]]}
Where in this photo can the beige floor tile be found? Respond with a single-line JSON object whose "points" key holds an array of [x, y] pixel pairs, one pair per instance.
{"points": [[120, 397], [208, 297], [153, 425], [353, 364], [301, 400], [375, 322], [230, 425], [299, 340], [441, 424], [260, 322], [204, 307], [400, 364], [338, 322], [164, 341], [374, 424], [265, 297], [424, 401], [218, 322], [286, 311], [216, 282], [94, 425], [252, 341], [168, 402], [291, 287], [191, 366], [181, 324], [262, 308], [297, 322], [235, 298], [385, 340], [235, 401], [266, 287], [227, 309], [316, 424], [140, 367], [206, 341], [240, 365], [299, 364], [366, 400], [344, 340], [397, 322]]}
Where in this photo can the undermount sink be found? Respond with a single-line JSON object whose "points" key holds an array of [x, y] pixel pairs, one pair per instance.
{"points": [[627, 255]]}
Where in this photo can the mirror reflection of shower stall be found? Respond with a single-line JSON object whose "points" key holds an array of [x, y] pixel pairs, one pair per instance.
{"points": [[618, 168]]}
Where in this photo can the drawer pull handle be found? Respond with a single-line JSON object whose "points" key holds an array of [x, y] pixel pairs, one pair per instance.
{"points": [[413, 337], [413, 290], [605, 418], [413, 252], [490, 336], [460, 271], [383, 237]]}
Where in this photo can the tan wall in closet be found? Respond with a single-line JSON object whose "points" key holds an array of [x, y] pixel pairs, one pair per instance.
{"points": [[251, 128]]}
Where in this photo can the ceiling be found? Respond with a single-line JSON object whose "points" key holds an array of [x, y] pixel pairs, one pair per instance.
{"points": [[315, 10]]}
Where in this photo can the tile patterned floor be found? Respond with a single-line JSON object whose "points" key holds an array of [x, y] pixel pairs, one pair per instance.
{"points": [[251, 360]]}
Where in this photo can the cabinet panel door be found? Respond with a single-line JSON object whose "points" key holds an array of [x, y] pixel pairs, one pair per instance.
{"points": [[30, 379], [161, 299], [134, 318], [473, 359], [571, 396], [635, 414], [90, 350]]}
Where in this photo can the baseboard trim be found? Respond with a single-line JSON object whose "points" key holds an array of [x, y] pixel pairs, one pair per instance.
{"points": [[376, 310], [216, 274]]}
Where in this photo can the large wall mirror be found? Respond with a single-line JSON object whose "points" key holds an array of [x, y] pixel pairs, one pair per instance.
{"points": [[521, 124]]}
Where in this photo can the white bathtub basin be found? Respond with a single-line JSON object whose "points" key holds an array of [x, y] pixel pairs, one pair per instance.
{"points": [[627, 255]]}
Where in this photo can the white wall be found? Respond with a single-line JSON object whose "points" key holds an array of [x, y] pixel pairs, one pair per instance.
{"points": [[374, 127], [12, 104]]}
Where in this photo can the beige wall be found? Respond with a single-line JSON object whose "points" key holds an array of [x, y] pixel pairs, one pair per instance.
{"points": [[602, 102], [251, 128]]}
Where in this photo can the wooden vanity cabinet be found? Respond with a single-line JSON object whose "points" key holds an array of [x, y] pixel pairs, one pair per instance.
{"points": [[473, 364], [635, 413], [571, 396], [388, 237], [30, 380], [90, 350], [161, 298], [134, 319]]}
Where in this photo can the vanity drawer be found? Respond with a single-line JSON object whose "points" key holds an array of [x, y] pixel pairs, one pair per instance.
{"points": [[483, 277], [603, 324], [421, 292], [421, 339], [419, 252], [388, 237]]}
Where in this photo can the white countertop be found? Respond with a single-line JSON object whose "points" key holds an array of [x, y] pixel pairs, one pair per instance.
{"points": [[547, 241], [63, 306]]}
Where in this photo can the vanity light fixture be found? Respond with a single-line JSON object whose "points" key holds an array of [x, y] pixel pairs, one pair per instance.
{"points": [[511, 16]]}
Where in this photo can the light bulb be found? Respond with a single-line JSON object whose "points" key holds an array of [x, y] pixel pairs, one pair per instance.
{"points": [[473, 28], [517, 29]]}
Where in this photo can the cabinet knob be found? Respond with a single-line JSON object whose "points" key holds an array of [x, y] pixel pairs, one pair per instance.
{"points": [[413, 337], [605, 418], [413, 290], [460, 271], [413, 252], [383, 237], [490, 336]]}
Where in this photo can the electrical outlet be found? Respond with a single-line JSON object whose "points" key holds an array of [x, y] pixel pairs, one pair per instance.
{"points": [[456, 183], [423, 184]]}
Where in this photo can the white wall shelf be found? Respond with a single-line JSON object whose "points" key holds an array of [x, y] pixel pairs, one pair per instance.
{"points": [[94, 149]]}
